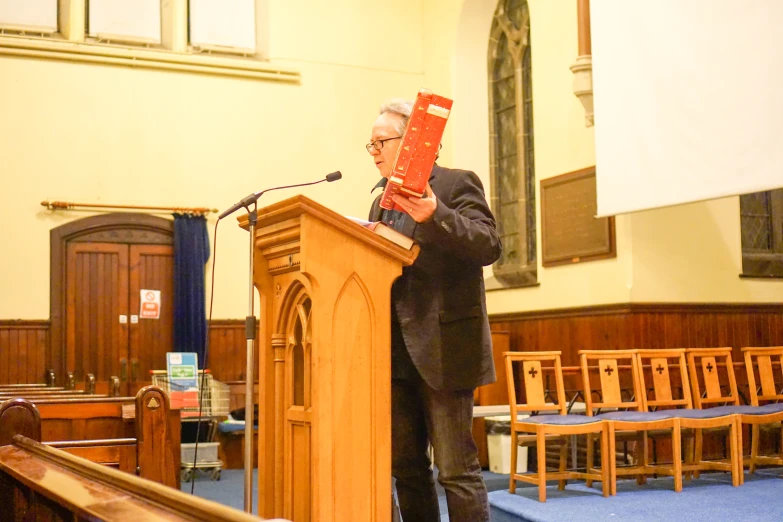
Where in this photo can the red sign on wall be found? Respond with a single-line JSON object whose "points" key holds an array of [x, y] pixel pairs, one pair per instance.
{"points": [[150, 304]]}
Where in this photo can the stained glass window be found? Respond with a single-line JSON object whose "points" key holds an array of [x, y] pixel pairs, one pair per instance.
{"points": [[512, 167], [761, 223]]}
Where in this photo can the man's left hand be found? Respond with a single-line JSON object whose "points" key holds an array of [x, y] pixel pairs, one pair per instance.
{"points": [[420, 209]]}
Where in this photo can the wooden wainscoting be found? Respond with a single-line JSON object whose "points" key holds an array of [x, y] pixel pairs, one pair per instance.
{"points": [[644, 325], [23, 347], [23, 343], [647, 325], [228, 350]]}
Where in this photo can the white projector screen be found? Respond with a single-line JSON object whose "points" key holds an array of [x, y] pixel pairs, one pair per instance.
{"points": [[688, 100]]}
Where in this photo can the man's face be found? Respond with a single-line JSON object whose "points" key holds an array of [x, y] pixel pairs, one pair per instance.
{"points": [[386, 127]]}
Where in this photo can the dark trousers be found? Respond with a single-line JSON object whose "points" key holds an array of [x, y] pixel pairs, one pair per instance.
{"points": [[423, 416]]}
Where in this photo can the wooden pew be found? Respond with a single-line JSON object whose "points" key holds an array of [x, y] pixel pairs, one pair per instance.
{"points": [[37, 393], [15, 389], [41, 395], [42, 483], [139, 435]]}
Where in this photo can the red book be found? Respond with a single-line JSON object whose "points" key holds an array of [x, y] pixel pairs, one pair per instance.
{"points": [[418, 149]]}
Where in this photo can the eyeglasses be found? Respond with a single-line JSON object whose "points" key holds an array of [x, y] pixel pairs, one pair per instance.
{"points": [[378, 144]]}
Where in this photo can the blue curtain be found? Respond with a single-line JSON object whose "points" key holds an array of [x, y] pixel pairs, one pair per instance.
{"points": [[191, 252]]}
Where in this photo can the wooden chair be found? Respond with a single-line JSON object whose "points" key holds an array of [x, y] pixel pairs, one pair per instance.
{"points": [[556, 423], [662, 397], [629, 415], [720, 388], [772, 411]]}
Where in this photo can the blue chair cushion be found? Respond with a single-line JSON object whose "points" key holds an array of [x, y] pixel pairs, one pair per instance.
{"points": [[637, 416], [709, 413], [232, 427], [775, 407], [560, 420], [766, 409], [720, 411], [732, 409]]}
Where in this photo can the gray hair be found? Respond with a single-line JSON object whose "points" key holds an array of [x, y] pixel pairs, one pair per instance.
{"points": [[401, 107]]}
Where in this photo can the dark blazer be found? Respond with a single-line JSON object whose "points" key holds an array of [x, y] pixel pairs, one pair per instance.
{"points": [[439, 300]]}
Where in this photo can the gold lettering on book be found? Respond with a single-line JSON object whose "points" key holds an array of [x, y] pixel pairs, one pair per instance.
{"points": [[436, 110]]}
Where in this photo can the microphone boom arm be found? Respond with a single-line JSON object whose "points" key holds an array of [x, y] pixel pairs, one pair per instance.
{"points": [[252, 198]]}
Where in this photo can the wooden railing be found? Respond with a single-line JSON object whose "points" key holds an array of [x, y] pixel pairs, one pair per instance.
{"points": [[38, 482]]}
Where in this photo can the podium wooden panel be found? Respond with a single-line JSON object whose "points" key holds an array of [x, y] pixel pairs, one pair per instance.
{"points": [[324, 364]]}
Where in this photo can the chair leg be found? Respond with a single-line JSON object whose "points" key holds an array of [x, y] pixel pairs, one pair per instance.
{"points": [[541, 451], [740, 452], [754, 447], [780, 440], [512, 483], [736, 458], [677, 456], [643, 457], [689, 451], [612, 459], [606, 483], [698, 450], [561, 484], [590, 459]]}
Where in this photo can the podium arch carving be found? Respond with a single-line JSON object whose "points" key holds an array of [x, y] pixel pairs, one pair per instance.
{"points": [[295, 323]]}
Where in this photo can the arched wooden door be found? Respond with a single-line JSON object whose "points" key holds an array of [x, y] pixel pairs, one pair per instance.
{"points": [[98, 327]]}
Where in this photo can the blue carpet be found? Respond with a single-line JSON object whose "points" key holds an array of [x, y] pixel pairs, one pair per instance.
{"points": [[229, 490], [712, 497]]}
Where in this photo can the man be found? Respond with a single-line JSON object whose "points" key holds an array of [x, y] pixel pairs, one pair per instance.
{"points": [[441, 345]]}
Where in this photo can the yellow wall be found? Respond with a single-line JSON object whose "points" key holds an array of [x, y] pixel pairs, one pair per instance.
{"points": [[683, 254], [691, 253], [93, 133], [562, 144]]}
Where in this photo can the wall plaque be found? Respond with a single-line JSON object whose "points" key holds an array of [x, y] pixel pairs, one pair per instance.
{"points": [[570, 233]]}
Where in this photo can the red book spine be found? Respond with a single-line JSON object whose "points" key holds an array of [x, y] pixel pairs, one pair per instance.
{"points": [[419, 147]]}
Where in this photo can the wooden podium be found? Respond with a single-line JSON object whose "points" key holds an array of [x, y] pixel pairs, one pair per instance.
{"points": [[324, 437]]}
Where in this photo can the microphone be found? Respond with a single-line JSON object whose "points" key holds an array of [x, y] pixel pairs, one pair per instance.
{"points": [[252, 198]]}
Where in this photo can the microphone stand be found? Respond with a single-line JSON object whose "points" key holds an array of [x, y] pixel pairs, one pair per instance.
{"points": [[250, 328], [250, 335]]}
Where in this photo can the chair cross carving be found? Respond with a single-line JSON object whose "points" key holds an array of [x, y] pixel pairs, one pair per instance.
{"points": [[709, 367], [533, 372], [659, 369], [608, 370]]}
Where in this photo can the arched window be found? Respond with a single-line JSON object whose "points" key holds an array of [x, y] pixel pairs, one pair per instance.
{"points": [[761, 218], [512, 170]]}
